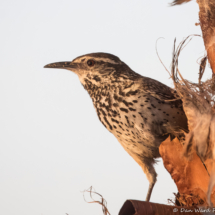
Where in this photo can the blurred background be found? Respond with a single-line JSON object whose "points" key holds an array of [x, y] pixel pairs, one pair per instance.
{"points": [[52, 145]]}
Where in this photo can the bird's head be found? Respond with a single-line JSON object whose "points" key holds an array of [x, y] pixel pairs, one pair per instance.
{"points": [[98, 68]]}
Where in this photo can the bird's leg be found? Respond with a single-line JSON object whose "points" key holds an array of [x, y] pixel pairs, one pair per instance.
{"points": [[147, 167], [151, 185], [151, 175]]}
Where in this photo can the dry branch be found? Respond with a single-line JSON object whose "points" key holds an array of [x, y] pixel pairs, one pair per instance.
{"points": [[207, 23], [177, 2], [198, 104]]}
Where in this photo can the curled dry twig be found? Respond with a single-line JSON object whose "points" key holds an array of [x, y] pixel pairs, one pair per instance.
{"points": [[175, 56], [103, 202]]}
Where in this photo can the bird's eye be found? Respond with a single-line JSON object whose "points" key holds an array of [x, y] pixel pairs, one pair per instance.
{"points": [[90, 63]]}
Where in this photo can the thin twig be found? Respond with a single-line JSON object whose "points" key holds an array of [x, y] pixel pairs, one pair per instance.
{"points": [[103, 202], [159, 56]]}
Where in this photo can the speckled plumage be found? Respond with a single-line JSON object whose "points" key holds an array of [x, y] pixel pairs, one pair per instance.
{"points": [[140, 112]]}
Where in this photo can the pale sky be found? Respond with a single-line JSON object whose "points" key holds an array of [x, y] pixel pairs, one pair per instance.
{"points": [[52, 144]]}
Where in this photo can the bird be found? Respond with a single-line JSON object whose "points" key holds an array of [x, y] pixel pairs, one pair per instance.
{"points": [[139, 111]]}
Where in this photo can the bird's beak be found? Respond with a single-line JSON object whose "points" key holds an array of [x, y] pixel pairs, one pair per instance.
{"points": [[62, 65]]}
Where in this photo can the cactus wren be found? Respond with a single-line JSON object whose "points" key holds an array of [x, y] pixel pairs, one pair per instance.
{"points": [[140, 112]]}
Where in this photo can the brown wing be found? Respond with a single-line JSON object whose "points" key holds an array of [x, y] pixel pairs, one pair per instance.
{"points": [[169, 98]]}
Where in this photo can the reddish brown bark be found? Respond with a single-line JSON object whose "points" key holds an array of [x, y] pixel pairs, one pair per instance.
{"points": [[190, 176], [207, 23]]}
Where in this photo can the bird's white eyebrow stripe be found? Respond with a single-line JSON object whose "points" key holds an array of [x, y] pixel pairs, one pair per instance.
{"points": [[106, 60], [97, 59]]}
